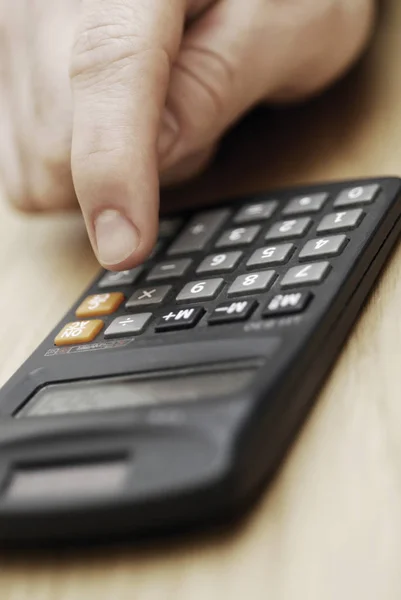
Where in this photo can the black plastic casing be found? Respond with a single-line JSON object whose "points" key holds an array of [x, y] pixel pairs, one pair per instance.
{"points": [[197, 461]]}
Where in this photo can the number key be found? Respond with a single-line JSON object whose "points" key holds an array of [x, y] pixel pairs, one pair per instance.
{"points": [[358, 195], [288, 229], [249, 284], [241, 236], [273, 255], [219, 262], [328, 246], [306, 274], [341, 221], [200, 290]]}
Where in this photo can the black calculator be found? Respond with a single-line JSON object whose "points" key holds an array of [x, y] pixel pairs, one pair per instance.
{"points": [[169, 394]]}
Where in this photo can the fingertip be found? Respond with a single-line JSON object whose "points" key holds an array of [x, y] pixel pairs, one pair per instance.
{"points": [[118, 242]]}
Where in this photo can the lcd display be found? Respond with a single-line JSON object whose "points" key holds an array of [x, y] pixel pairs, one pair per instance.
{"points": [[115, 393]]}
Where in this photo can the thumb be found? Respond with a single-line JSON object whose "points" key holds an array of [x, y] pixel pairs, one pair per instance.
{"points": [[120, 71]]}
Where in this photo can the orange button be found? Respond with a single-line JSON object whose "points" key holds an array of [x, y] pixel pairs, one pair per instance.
{"points": [[79, 332], [100, 304]]}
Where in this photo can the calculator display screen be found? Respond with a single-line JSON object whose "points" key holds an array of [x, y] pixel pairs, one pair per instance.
{"points": [[97, 395]]}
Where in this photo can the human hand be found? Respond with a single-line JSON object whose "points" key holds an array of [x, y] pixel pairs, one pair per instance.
{"points": [[155, 85]]}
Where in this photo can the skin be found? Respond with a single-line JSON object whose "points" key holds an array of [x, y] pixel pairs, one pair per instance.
{"points": [[100, 100]]}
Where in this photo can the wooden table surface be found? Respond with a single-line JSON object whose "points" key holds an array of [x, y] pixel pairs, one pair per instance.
{"points": [[329, 527]]}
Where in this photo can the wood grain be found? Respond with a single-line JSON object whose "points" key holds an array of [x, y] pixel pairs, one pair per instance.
{"points": [[330, 525]]}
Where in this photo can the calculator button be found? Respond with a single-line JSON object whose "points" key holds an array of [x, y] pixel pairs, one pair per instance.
{"points": [[271, 255], [288, 229], [285, 304], [169, 269], [358, 195], [150, 295], [199, 231], [127, 325], [183, 318], [306, 204], [114, 279], [200, 290], [249, 284], [219, 262], [169, 227], [79, 332], [100, 304], [256, 211], [341, 221], [232, 311], [241, 236], [325, 246], [306, 274]]}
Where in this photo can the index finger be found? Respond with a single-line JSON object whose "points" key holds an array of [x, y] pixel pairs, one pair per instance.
{"points": [[120, 71]]}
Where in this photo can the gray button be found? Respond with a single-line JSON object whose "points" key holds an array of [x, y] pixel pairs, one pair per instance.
{"points": [[256, 211], [200, 290], [148, 295], [306, 274], [169, 269], [169, 227], [112, 279], [127, 325], [363, 194], [240, 236], [341, 221], [254, 282], [271, 255], [306, 204], [324, 246], [219, 262], [199, 231], [288, 229]]}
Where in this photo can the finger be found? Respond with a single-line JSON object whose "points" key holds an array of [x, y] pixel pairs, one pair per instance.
{"points": [[120, 72], [221, 71], [239, 53]]}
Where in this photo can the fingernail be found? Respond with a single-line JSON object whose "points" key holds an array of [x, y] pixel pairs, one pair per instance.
{"points": [[116, 237], [168, 132]]}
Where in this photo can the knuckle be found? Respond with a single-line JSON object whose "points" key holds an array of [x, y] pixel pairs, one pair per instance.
{"points": [[209, 78], [110, 46]]}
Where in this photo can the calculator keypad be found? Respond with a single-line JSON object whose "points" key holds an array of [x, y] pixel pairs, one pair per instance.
{"points": [[271, 255], [99, 305], [118, 278], [181, 318], [258, 211], [306, 204], [357, 195], [252, 283], [199, 231], [330, 245], [340, 221], [127, 325], [229, 312], [200, 290], [306, 274], [293, 228], [240, 236], [227, 265], [169, 269], [219, 262], [287, 304], [145, 296]]}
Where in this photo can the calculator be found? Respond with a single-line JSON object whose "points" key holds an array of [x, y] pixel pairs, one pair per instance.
{"points": [[169, 394]]}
